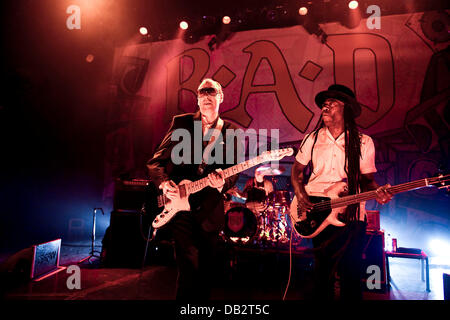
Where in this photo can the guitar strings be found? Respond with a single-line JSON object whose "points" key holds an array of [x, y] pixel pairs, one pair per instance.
{"points": [[371, 194], [202, 183], [350, 199]]}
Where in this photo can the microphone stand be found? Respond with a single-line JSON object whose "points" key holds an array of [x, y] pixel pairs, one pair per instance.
{"points": [[93, 251]]}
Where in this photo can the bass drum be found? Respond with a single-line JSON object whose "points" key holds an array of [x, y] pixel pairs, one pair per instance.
{"points": [[241, 224]]}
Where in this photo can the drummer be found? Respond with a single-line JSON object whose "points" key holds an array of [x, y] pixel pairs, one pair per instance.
{"points": [[256, 191]]}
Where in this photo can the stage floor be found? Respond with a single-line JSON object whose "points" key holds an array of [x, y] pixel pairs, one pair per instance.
{"points": [[263, 279]]}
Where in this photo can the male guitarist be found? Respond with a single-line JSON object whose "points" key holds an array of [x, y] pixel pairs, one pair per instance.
{"points": [[196, 231], [337, 151]]}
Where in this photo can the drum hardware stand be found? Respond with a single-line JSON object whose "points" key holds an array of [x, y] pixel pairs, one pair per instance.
{"points": [[93, 251]]}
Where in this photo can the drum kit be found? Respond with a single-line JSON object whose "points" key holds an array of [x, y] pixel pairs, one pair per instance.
{"points": [[264, 223]]}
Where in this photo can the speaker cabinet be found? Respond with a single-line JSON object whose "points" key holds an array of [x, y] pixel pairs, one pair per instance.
{"points": [[124, 240]]}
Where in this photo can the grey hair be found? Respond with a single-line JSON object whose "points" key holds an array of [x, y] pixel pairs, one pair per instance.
{"points": [[217, 84]]}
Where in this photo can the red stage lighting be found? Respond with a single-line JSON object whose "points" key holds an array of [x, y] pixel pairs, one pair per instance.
{"points": [[143, 31], [89, 58], [303, 11], [353, 4], [184, 25], [226, 20]]}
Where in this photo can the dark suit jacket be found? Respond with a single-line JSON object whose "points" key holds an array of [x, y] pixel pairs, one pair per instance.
{"points": [[207, 204]]}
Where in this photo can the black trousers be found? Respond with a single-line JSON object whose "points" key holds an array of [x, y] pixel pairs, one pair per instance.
{"points": [[339, 250], [195, 255]]}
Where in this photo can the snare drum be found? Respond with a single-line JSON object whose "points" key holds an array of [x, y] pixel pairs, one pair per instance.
{"points": [[241, 224]]}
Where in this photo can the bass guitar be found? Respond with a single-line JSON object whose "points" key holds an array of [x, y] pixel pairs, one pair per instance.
{"points": [[326, 210], [167, 209]]}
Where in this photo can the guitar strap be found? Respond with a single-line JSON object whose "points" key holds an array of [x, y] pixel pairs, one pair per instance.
{"points": [[214, 135]]}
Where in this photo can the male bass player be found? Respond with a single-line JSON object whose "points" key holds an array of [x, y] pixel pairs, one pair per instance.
{"points": [[195, 232], [337, 151]]}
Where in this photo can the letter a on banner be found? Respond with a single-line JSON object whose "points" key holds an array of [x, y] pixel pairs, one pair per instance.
{"points": [[291, 105]]}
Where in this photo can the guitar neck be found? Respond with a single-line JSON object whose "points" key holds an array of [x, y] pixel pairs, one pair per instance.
{"points": [[198, 185], [370, 195], [193, 187]]}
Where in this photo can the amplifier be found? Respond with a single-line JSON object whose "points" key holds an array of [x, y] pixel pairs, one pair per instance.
{"points": [[130, 195], [373, 220]]}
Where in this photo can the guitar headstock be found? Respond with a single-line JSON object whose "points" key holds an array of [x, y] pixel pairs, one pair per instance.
{"points": [[441, 181], [275, 155]]}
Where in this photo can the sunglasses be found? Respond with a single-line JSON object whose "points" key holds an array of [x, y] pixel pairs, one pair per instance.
{"points": [[209, 91]]}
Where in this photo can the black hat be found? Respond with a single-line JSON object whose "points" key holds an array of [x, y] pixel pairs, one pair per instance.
{"points": [[341, 93]]}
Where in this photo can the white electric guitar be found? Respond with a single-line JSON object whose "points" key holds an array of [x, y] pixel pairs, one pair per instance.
{"points": [[169, 208]]}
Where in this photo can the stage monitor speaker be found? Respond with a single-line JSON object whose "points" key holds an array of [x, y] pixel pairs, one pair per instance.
{"points": [[33, 263], [45, 260], [374, 260]]}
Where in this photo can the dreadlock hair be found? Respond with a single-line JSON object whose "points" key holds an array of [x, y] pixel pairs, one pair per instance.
{"points": [[352, 156]]}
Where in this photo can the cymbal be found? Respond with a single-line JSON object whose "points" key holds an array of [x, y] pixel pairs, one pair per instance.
{"points": [[234, 191], [267, 170]]}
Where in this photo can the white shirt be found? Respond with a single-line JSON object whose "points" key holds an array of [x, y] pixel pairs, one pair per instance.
{"points": [[329, 160]]}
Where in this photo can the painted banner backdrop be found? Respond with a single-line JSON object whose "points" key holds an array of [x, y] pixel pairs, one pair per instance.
{"points": [[400, 74]]}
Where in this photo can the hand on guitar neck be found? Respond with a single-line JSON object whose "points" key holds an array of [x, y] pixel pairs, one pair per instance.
{"points": [[216, 179], [383, 195], [170, 189]]}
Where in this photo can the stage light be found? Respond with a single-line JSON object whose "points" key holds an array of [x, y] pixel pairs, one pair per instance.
{"points": [[143, 31], [351, 18], [353, 5], [303, 11], [184, 25], [226, 20], [440, 248], [89, 58]]}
